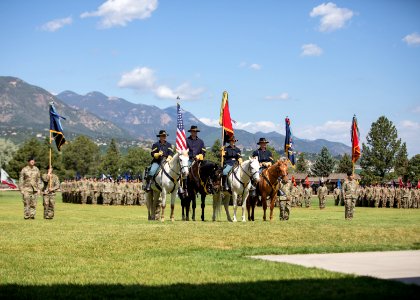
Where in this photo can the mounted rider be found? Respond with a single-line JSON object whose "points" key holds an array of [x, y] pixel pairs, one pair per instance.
{"points": [[231, 155], [161, 151], [265, 158], [195, 145]]}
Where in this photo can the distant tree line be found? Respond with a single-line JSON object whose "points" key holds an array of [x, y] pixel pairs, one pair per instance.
{"points": [[384, 157]]}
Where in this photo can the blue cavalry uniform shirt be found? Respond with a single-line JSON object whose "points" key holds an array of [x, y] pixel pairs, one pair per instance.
{"points": [[232, 154], [166, 148], [195, 147], [263, 156]]}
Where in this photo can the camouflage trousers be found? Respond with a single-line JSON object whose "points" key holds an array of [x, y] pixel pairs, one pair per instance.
{"points": [[322, 202], [83, 197], [49, 204], [404, 202], [285, 206], [308, 202], [106, 198], [336, 200], [29, 204], [349, 204]]}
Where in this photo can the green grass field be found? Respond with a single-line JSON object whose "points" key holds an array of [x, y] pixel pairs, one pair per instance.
{"points": [[114, 252]]}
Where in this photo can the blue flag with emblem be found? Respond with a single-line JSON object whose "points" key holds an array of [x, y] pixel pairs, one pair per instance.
{"points": [[56, 131], [288, 144], [339, 184]]}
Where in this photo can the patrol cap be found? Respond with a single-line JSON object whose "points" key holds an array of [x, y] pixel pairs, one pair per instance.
{"points": [[349, 173], [194, 128], [162, 133], [262, 140]]}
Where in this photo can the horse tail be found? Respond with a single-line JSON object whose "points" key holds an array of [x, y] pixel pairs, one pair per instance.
{"points": [[217, 205]]}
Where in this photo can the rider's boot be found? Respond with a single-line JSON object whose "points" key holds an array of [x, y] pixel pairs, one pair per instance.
{"points": [[252, 191], [148, 183], [225, 183]]}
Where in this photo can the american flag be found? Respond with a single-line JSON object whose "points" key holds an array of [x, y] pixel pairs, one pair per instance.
{"points": [[181, 139]]}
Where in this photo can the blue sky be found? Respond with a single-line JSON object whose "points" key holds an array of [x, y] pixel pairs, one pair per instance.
{"points": [[316, 62]]}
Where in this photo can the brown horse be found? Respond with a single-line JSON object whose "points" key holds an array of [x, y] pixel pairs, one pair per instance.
{"points": [[267, 187]]}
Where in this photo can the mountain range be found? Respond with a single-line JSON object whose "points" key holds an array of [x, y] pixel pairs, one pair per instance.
{"points": [[25, 111]]}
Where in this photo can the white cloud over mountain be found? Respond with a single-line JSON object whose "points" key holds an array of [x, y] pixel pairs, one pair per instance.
{"points": [[143, 79]]}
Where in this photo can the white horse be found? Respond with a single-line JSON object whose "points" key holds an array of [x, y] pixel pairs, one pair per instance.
{"points": [[240, 181], [166, 181]]}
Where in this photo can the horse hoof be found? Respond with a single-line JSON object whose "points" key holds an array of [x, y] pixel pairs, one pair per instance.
{"points": [[234, 220], [162, 219], [187, 219], [172, 219], [183, 218]]}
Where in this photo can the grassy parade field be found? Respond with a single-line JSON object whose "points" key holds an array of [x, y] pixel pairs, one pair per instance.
{"points": [[95, 251]]}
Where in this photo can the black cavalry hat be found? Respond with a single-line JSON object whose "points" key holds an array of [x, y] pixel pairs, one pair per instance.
{"points": [[31, 157], [162, 132], [262, 140], [232, 138], [194, 128]]}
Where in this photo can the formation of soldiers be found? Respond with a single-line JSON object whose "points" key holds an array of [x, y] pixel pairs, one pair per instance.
{"points": [[383, 196], [104, 191]]}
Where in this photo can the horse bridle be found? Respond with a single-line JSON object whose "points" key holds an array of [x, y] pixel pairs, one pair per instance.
{"points": [[181, 167], [249, 169]]}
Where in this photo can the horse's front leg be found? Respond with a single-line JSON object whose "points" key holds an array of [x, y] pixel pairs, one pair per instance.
{"points": [[193, 204], [272, 202], [163, 201], [245, 196], [253, 204], [264, 205], [235, 205], [173, 197], [249, 206], [203, 205], [226, 200], [149, 202]]}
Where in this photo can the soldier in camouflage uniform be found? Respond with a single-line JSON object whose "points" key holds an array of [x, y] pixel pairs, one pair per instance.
{"points": [[322, 194], [336, 195], [406, 193], [349, 196], [300, 195], [391, 196], [51, 185], [398, 197], [293, 194], [377, 195], [307, 195], [83, 184], [285, 198], [30, 186]]}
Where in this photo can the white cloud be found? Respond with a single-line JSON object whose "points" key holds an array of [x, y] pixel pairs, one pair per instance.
{"points": [[311, 50], [121, 12], [253, 66], [282, 96], [56, 24], [407, 124], [332, 17], [338, 131], [143, 79], [139, 78], [408, 131], [210, 122], [412, 39]]}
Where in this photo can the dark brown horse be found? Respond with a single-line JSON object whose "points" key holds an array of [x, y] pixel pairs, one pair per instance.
{"points": [[204, 178], [267, 188]]}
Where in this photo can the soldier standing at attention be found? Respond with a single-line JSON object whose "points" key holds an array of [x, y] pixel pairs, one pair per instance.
{"points": [[307, 194], [161, 150], [336, 194], [195, 145], [349, 196], [322, 193], [30, 186], [285, 191], [51, 185], [231, 154]]}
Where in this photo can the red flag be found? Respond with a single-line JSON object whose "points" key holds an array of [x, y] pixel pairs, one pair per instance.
{"points": [[355, 148], [400, 183], [418, 184], [307, 181], [225, 121]]}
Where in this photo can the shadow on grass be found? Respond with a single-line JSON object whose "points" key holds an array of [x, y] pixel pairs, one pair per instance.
{"points": [[346, 288]]}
